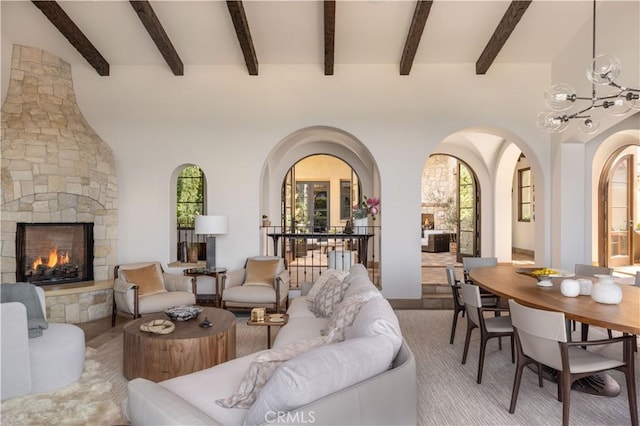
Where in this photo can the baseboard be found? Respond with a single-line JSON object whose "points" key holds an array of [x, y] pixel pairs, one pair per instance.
{"points": [[406, 303]]}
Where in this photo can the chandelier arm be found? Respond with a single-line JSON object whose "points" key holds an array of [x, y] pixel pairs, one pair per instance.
{"points": [[602, 98], [622, 88]]}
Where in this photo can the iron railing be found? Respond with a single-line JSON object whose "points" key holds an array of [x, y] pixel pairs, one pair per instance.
{"points": [[309, 252]]}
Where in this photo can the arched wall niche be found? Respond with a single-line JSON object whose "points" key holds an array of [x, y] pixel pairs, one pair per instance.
{"points": [[493, 153], [311, 141]]}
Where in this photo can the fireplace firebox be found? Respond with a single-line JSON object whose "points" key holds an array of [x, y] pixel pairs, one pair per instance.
{"points": [[54, 253]]}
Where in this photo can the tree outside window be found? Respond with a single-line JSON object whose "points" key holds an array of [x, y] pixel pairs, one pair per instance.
{"points": [[190, 196]]}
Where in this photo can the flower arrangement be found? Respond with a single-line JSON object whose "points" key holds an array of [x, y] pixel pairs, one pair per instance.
{"points": [[368, 206]]}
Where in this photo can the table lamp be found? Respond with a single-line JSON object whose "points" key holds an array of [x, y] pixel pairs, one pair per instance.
{"points": [[211, 226]]}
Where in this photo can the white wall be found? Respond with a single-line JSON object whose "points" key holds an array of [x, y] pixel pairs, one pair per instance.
{"points": [[227, 123]]}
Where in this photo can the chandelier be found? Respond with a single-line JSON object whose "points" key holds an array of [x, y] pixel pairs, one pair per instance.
{"points": [[561, 98]]}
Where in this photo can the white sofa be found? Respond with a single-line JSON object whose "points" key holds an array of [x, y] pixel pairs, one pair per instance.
{"points": [[39, 364], [349, 382]]}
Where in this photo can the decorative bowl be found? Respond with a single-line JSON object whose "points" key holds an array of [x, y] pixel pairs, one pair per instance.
{"points": [[183, 312], [543, 281]]}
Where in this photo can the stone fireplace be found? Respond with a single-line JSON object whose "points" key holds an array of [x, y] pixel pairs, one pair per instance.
{"points": [[55, 168]]}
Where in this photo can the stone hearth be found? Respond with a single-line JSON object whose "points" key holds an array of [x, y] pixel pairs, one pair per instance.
{"points": [[55, 168]]}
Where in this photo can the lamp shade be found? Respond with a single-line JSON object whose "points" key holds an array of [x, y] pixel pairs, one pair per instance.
{"points": [[211, 225]]}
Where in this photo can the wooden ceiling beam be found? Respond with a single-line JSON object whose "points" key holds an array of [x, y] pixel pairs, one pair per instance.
{"points": [[501, 34], [420, 15], [159, 36], [329, 35], [240, 23], [59, 18]]}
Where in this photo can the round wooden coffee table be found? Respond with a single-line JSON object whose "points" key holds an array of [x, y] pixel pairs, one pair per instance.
{"points": [[189, 348]]}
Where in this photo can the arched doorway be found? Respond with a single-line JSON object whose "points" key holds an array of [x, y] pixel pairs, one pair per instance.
{"points": [[313, 142], [619, 209], [318, 193], [450, 209]]}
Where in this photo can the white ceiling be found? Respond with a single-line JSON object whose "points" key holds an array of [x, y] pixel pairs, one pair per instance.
{"points": [[291, 32]]}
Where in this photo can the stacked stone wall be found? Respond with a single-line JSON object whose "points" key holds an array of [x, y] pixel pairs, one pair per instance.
{"points": [[55, 168], [438, 183]]}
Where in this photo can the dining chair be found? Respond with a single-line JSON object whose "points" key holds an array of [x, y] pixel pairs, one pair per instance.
{"points": [[541, 338], [469, 263], [590, 270], [490, 327], [458, 304]]}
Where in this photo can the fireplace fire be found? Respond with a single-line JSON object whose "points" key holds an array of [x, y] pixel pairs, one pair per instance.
{"points": [[54, 253]]}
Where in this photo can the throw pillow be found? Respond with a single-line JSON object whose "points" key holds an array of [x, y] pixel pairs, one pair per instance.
{"points": [[318, 373], [345, 313], [377, 318], [322, 280], [262, 368], [328, 297], [261, 272], [147, 279]]}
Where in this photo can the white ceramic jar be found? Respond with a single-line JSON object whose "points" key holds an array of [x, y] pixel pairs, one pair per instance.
{"points": [[570, 287], [606, 290], [585, 286]]}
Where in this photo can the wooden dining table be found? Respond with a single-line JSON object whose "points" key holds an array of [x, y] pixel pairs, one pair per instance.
{"points": [[505, 282]]}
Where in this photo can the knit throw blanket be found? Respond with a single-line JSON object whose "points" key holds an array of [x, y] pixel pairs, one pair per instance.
{"points": [[26, 294]]}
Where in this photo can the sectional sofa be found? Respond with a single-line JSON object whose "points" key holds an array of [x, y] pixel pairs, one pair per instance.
{"points": [[367, 378]]}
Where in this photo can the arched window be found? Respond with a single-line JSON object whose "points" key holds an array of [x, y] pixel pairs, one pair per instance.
{"points": [[190, 196], [190, 201]]}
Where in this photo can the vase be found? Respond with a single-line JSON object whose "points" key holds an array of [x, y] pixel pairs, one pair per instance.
{"points": [[360, 226], [606, 290], [570, 288], [585, 286]]}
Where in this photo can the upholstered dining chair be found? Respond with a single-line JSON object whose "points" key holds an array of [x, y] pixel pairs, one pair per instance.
{"points": [[469, 263], [490, 327], [458, 304], [590, 270], [144, 288], [541, 338], [262, 283]]}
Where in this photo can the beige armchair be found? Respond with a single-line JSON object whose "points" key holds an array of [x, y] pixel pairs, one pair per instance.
{"points": [[262, 283], [144, 288]]}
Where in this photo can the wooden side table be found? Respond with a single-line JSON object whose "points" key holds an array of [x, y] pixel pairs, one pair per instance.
{"points": [[216, 273], [270, 320], [189, 348]]}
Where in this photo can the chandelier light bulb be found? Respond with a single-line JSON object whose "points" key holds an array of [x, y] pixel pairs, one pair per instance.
{"points": [[618, 106], [604, 69], [551, 122], [560, 97], [589, 126]]}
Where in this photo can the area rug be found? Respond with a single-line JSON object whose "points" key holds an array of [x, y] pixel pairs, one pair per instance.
{"points": [[447, 390], [92, 400]]}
